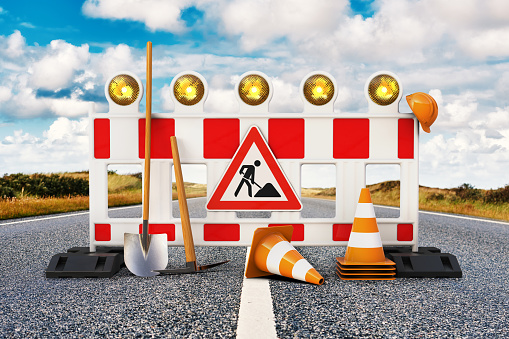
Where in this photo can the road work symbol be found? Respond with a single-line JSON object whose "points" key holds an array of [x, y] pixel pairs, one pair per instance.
{"points": [[254, 181], [248, 172]]}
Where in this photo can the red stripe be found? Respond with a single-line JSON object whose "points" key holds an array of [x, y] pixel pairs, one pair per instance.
{"points": [[406, 138], [101, 138], [298, 231], [286, 138], [341, 232], [102, 232], [221, 138], [221, 232], [168, 229], [351, 139], [405, 232], [160, 133]]}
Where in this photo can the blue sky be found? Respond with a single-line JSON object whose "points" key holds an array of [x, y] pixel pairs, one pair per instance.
{"points": [[55, 58]]}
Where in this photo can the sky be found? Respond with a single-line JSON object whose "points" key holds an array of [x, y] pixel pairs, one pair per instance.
{"points": [[55, 57]]}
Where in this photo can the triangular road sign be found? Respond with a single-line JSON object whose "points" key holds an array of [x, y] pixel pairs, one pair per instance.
{"points": [[254, 180]]}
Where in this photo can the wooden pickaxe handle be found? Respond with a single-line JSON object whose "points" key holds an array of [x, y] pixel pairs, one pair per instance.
{"points": [[184, 212]]}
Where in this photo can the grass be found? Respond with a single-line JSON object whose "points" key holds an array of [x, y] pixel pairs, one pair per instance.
{"points": [[31, 206]]}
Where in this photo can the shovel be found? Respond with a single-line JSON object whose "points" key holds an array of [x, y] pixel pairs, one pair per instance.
{"points": [[187, 233], [144, 253]]}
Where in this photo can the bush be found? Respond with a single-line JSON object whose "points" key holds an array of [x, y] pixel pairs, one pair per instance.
{"points": [[41, 185], [468, 192], [497, 196], [436, 196]]}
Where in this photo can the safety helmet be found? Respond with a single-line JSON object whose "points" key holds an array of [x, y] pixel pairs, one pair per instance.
{"points": [[424, 107]]}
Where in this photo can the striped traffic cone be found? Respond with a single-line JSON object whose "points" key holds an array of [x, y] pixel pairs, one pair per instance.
{"points": [[272, 253], [365, 258]]}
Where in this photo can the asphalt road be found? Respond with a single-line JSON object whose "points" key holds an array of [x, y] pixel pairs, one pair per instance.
{"points": [[207, 304]]}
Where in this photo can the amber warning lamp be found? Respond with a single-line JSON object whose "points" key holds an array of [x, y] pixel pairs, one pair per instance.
{"points": [[318, 89], [123, 89], [383, 89], [188, 89], [253, 89]]}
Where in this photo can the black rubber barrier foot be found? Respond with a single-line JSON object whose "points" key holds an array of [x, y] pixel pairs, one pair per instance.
{"points": [[427, 262], [79, 262]]}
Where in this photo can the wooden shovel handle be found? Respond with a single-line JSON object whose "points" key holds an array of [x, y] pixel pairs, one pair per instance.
{"points": [[148, 115], [184, 212]]}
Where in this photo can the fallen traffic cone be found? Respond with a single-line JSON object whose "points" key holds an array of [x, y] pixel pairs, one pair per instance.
{"points": [[272, 253], [365, 258]]}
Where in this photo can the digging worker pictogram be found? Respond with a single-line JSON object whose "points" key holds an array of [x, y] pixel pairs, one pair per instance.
{"points": [[248, 175]]}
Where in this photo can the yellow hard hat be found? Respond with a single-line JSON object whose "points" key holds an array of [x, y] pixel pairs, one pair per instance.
{"points": [[424, 107]]}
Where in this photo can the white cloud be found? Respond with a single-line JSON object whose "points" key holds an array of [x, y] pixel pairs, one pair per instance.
{"points": [[167, 104], [440, 47], [286, 98], [467, 157], [155, 14], [15, 45], [63, 147], [260, 22], [116, 59], [56, 69], [5, 93]]}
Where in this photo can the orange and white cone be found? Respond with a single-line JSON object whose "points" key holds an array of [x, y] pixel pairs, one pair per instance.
{"points": [[272, 253], [365, 258]]}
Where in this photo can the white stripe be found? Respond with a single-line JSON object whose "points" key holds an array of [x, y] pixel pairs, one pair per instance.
{"points": [[276, 254], [256, 316], [69, 214], [43, 218], [365, 240], [453, 216], [365, 210], [300, 269]]}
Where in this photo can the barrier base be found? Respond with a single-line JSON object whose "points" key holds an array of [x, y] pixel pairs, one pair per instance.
{"points": [[427, 262], [79, 262]]}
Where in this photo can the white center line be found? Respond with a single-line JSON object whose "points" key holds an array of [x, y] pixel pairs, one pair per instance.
{"points": [[256, 316]]}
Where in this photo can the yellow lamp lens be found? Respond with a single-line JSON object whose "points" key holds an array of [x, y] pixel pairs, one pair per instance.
{"points": [[253, 89], [383, 90], [318, 89], [188, 89], [123, 89]]}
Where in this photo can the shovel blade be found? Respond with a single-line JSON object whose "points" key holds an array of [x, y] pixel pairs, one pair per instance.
{"points": [[141, 262]]}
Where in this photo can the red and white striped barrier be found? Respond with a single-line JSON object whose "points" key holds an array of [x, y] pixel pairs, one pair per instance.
{"points": [[317, 136]]}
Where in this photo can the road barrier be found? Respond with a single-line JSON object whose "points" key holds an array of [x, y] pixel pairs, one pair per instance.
{"points": [[349, 141]]}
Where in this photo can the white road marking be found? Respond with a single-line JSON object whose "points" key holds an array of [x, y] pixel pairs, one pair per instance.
{"points": [[256, 316], [453, 216], [62, 216]]}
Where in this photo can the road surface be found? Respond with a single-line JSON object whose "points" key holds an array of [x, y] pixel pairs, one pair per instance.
{"points": [[208, 304]]}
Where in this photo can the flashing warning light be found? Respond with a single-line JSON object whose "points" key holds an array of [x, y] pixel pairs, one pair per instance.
{"points": [[188, 89], [123, 89], [383, 89], [318, 89], [253, 89]]}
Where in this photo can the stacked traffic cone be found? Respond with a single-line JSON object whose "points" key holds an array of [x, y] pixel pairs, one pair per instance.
{"points": [[272, 253], [365, 258]]}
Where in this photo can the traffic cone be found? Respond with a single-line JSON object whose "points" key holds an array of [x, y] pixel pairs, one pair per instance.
{"points": [[272, 253], [364, 258]]}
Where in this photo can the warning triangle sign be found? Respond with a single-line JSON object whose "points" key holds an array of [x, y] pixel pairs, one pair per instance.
{"points": [[254, 180]]}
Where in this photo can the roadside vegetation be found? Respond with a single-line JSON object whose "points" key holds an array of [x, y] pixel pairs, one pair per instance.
{"points": [[24, 195], [465, 199]]}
